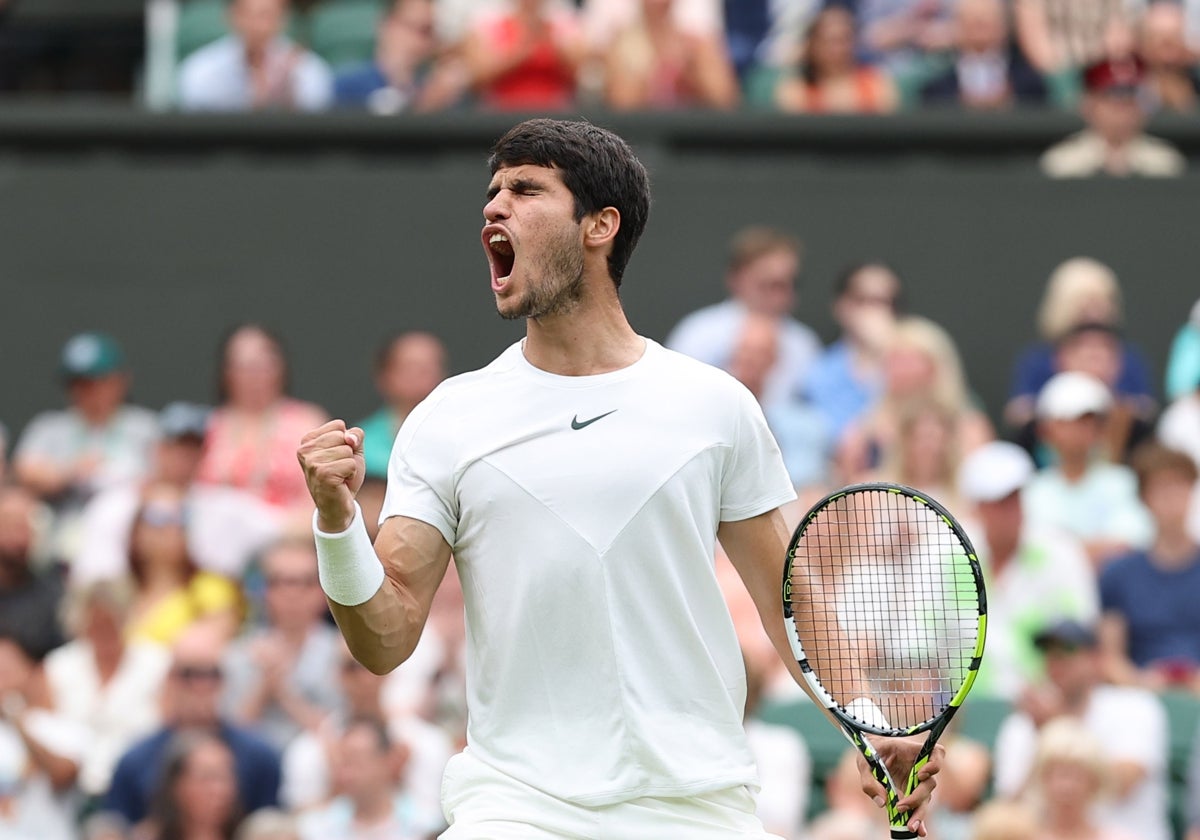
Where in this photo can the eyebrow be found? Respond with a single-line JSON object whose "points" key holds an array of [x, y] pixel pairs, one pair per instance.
{"points": [[516, 185]]}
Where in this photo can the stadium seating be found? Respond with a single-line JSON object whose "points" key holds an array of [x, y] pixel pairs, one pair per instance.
{"points": [[343, 31]]}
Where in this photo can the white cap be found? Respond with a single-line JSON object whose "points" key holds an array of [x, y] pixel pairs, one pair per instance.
{"points": [[994, 471], [1070, 395]]}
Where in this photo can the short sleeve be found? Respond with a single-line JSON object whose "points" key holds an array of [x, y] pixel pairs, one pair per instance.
{"points": [[420, 481], [38, 440], [755, 479]]}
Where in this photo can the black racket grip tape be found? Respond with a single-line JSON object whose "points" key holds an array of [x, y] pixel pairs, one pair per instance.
{"points": [[903, 834]]}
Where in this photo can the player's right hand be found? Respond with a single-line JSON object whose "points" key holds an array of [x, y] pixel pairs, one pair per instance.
{"points": [[332, 459]]}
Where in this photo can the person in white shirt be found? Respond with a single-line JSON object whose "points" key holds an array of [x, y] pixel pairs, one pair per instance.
{"points": [[1034, 575], [1082, 493], [255, 67], [580, 481], [1130, 723], [761, 277]]}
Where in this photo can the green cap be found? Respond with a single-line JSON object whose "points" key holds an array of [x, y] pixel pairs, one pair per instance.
{"points": [[90, 355]]}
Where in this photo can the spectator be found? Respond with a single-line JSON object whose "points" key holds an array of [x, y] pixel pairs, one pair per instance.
{"points": [[784, 764], [255, 67], [797, 428], [1114, 142], [367, 770], [988, 72], [1003, 819], [655, 63], [66, 456], [39, 752], [969, 766], [308, 759], [407, 73], [761, 277], [224, 525], [921, 364], [1034, 575], [1130, 722], [1070, 777], [847, 379], [847, 813], [763, 36], [251, 442], [1081, 291], [1179, 429], [28, 600], [1081, 493], [1183, 364], [831, 79], [1061, 35], [927, 452], [899, 35], [197, 798], [171, 592], [1095, 349], [525, 56], [277, 677], [190, 702], [107, 686], [1171, 72], [1151, 630], [407, 369]]}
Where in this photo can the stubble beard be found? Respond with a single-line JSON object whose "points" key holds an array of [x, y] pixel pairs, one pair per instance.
{"points": [[558, 287]]}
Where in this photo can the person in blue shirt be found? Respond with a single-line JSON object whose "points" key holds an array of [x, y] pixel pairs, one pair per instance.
{"points": [[1150, 626], [405, 74], [190, 702]]}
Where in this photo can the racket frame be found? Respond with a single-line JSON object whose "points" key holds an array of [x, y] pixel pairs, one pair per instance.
{"points": [[854, 729]]}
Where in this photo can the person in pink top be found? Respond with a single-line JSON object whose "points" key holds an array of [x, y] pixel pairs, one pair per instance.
{"points": [[252, 435]]}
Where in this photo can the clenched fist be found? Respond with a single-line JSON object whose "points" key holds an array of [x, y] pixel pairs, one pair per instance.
{"points": [[332, 459]]}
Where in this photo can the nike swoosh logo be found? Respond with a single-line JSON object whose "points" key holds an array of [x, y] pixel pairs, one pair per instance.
{"points": [[577, 425]]}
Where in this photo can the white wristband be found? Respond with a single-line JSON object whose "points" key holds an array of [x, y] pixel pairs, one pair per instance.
{"points": [[866, 711], [347, 564]]}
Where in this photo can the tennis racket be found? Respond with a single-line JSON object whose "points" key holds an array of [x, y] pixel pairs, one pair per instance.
{"points": [[886, 613]]}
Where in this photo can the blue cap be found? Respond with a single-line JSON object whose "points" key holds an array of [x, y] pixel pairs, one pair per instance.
{"points": [[90, 355]]}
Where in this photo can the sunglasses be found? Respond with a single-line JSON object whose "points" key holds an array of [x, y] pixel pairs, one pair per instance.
{"points": [[162, 516], [193, 673], [295, 581]]}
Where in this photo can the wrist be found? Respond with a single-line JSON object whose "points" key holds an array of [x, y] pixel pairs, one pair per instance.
{"points": [[335, 519], [347, 565]]}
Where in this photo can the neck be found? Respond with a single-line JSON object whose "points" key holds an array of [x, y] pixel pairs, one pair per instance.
{"points": [[1001, 551], [593, 338], [1074, 466], [1173, 547], [373, 807], [108, 659]]}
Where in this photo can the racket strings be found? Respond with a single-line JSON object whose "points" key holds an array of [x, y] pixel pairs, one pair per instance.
{"points": [[890, 605]]}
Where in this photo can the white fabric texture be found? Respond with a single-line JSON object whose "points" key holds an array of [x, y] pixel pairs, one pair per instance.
{"points": [[347, 564]]}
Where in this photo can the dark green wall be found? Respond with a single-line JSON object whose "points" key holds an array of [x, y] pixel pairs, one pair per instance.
{"points": [[166, 230]]}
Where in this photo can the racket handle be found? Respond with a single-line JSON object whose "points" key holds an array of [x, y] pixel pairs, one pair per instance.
{"points": [[903, 834]]}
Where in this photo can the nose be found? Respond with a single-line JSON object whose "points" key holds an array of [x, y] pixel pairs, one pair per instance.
{"points": [[496, 208]]}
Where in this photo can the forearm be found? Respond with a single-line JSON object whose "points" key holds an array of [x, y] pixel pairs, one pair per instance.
{"points": [[42, 477], [382, 632], [61, 772]]}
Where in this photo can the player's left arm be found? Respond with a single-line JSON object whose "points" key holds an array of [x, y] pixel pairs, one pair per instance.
{"points": [[757, 547]]}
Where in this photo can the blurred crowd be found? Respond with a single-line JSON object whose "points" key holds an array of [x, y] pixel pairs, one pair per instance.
{"points": [[168, 668]]}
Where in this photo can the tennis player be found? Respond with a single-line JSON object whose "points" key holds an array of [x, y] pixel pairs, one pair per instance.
{"points": [[579, 481]]}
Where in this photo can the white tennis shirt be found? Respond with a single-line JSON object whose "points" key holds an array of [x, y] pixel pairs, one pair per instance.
{"points": [[602, 663]]}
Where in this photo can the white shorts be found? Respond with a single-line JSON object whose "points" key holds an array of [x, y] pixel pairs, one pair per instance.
{"points": [[481, 803]]}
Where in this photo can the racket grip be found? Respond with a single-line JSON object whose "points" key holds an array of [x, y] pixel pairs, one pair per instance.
{"points": [[903, 834]]}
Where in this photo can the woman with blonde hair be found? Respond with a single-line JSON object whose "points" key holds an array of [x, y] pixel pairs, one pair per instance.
{"points": [[921, 366], [1081, 294], [1069, 777]]}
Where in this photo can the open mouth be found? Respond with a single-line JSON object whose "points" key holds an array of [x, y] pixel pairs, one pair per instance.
{"points": [[501, 257]]}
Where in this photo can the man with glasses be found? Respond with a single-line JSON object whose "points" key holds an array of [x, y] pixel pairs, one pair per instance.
{"points": [[190, 701], [278, 676]]}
